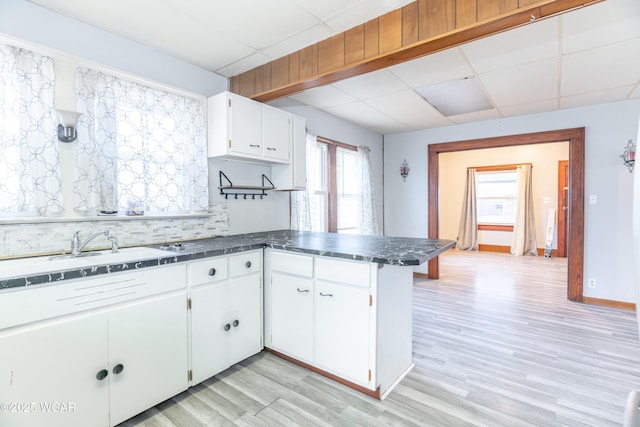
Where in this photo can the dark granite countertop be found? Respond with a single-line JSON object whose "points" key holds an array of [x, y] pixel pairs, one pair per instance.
{"points": [[376, 249]]}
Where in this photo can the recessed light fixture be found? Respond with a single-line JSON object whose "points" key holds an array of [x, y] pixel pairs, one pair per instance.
{"points": [[456, 97]]}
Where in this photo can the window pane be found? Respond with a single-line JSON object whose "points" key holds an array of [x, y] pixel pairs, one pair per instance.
{"points": [[348, 188], [496, 197]]}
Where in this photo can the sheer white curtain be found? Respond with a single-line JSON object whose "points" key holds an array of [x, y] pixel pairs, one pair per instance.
{"points": [[302, 201], [366, 197], [524, 229], [138, 144], [468, 230], [29, 167]]}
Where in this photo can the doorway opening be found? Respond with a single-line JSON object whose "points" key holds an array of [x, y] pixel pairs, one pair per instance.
{"points": [[575, 193]]}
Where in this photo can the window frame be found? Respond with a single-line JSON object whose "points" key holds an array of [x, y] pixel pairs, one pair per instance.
{"points": [[332, 202], [496, 168]]}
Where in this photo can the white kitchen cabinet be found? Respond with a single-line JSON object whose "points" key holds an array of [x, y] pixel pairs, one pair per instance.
{"points": [[226, 312], [292, 315], [276, 131], [354, 323], [242, 129], [106, 364], [55, 363], [293, 176], [342, 330]]}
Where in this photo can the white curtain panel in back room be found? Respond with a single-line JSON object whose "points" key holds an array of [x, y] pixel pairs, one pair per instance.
{"points": [[524, 229], [366, 199], [138, 144], [468, 230], [29, 166]]}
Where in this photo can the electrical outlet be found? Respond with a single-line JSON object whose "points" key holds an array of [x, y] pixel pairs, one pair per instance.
{"points": [[592, 283]]}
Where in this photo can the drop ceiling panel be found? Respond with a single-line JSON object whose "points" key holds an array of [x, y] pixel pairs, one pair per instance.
{"points": [[438, 67], [475, 117], [326, 9], [522, 84], [371, 85], [601, 68], [363, 114], [410, 109], [324, 96], [600, 97], [247, 63], [530, 108], [531, 43], [601, 24]]}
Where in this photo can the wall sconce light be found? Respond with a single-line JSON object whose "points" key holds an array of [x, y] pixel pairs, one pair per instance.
{"points": [[404, 170], [68, 122], [629, 155]]}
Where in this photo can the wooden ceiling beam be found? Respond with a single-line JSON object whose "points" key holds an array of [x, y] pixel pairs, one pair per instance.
{"points": [[415, 30]]}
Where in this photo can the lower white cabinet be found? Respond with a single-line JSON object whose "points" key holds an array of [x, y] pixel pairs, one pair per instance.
{"points": [[292, 315], [349, 319], [226, 312], [98, 367], [342, 330]]}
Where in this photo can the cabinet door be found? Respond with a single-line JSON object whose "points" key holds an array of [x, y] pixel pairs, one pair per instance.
{"points": [[48, 374], [148, 360], [245, 130], [245, 317], [342, 330], [299, 146], [292, 316], [276, 126], [208, 337]]}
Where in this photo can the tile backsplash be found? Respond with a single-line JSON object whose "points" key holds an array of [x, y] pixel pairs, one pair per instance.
{"points": [[39, 238]]}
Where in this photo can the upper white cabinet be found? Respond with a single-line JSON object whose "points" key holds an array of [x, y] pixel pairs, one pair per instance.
{"points": [[243, 129], [293, 176]]}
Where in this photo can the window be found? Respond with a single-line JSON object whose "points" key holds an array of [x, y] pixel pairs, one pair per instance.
{"points": [[139, 147], [347, 191], [496, 196], [29, 172], [319, 203]]}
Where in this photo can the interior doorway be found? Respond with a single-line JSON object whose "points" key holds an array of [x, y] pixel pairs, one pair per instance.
{"points": [[575, 211]]}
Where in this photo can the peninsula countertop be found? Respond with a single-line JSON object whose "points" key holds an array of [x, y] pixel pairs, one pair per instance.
{"points": [[376, 249]]}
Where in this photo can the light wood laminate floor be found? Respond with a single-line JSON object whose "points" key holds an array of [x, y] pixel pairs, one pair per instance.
{"points": [[496, 343]]}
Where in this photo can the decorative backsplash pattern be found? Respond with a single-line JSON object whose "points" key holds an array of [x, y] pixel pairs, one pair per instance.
{"points": [[39, 238]]}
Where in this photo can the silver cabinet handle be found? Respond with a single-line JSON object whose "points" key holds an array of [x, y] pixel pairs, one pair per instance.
{"points": [[247, 264], [325, 295], [302, 290], [271, 149], [254, 145]]}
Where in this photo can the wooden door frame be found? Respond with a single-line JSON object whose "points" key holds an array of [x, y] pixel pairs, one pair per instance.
{"points": [[575, 137], [562, 213]]}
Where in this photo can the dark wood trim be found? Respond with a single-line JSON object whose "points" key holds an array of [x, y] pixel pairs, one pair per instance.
{"points": [[562, 213], [494, 248], [610, 303], [497, 167], [575, 137], [417, 275], [326, 62], [495, 227], [375, 394], [328, 141]]}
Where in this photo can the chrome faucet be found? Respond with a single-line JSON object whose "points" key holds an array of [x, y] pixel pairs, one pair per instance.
{"points": [[77, 246]]}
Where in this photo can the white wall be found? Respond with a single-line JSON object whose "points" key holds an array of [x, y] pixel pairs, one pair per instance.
{"points": [[452, 168], [608, 244], [332, 127]]}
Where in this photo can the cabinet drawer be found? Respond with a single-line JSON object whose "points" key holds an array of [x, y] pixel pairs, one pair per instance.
{"points": [[349, 272], [245, 263], [300, 265], [207, 270]]}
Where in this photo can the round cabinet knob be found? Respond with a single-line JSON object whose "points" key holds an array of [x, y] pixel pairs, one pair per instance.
{"points": [[227, 327], [247, 264], [236, 323], [102, 374], [212, 272], [118, 368]]}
